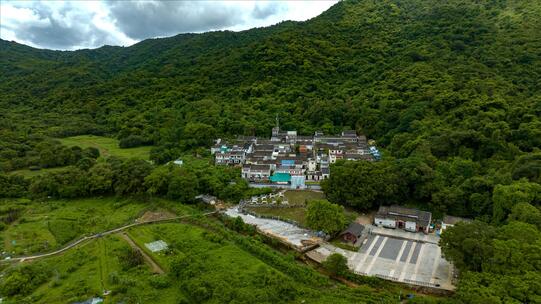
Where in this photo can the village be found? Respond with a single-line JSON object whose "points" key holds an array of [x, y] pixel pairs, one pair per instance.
{"points": [[291, 160], [395, 243]]}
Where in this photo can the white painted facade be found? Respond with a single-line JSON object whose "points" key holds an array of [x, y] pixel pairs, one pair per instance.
{"points": [[411, 226], [382, 222]]}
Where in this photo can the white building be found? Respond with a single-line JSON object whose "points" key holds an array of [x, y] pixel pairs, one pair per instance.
{"points": [[404, 218]]}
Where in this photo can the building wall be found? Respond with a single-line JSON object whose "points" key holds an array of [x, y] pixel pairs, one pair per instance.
{"points": [[411, 226], [390, 223]]}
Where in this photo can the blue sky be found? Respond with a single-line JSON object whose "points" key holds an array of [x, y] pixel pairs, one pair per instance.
{"points": [[71, 25]]}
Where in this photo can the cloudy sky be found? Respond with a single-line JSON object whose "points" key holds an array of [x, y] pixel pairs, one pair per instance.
{"points": [[90, 24]]}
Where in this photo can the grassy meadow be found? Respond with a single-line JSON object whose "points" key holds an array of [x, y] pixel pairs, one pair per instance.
{"points": [[41, 226], [205, 263], [107, 146], [300, 197]]}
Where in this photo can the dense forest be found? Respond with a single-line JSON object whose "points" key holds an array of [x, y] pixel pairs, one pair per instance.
{"points": [[450, 91]]}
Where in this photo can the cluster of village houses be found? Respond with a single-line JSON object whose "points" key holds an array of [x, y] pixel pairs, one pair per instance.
{"points": [[291, 159]]}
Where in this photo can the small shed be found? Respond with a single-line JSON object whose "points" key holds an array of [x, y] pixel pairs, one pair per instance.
{"points": [[352, 233]]}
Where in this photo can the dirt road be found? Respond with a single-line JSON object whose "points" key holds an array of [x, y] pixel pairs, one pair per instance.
{"points": [[153, 265]]}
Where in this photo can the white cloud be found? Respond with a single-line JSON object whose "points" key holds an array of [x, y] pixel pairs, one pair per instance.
{"points": [[90, 24]]}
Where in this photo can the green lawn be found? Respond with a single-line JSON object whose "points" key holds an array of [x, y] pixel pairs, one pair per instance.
{"points": [[107, 146], [297, 214], [300, 197], [44, 226]]}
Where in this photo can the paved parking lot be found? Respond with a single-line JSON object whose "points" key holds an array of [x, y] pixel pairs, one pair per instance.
{"points": [[398, 259]]}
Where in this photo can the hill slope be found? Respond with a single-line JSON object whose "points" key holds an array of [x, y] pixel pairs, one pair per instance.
{"points": [[374, 65], [451, 91]]}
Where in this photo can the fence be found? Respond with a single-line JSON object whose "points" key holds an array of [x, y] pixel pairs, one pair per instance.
{"points": [[277, 206]]}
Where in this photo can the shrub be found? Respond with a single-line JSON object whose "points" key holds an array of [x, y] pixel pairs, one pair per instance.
{"points": [[336, 264]]}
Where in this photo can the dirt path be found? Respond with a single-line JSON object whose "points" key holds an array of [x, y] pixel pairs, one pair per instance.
{"points": [[153, 265], [98, 235]]}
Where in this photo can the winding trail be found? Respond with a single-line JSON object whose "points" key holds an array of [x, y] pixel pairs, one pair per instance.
{"points": [[98, 235]]}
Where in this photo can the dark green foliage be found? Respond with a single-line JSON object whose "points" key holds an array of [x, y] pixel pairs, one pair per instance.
{"points": [[24, 279], [130, 257], [133, 141], [183, 186], [336, 264], [130, 176], [321, 215], [448, 89], [499, 265], [13, 185], [363, 185]]}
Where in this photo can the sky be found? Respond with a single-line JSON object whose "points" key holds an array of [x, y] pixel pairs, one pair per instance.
{"points": [[72, 25]]}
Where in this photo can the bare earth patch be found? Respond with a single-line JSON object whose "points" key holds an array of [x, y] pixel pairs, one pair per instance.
{"points": [[155, 215]]}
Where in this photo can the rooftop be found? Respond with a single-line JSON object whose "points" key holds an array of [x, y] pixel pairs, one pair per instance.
{"points": [[280, 177], [354, 228], [405, 214]]}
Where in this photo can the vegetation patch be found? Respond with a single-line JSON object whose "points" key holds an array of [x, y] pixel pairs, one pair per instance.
{"points": [[44, 226], [302, 197], [107, 146]]}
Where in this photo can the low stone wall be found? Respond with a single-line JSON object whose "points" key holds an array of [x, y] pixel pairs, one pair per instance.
{"points": [[278, 206]]}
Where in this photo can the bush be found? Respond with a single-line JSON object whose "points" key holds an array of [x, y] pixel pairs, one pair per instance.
{"points": [[130, 257], [23, 280], [159, 281], [133, 141], [336, 264]]}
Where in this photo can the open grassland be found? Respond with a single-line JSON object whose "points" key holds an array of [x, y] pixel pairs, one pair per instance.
{"points": [[205, 263], [297, 214], [97, 266], [107, 146], [301, 197], [35, 226]]}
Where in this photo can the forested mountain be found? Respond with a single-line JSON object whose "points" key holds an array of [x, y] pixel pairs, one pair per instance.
{"points": [[450, 90]]}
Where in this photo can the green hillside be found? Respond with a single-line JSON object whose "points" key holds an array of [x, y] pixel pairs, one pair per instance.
{"points": [[450, 90]]}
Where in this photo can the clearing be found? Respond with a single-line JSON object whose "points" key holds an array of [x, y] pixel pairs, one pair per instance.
{"points": [[300, 197], [107, 146]]}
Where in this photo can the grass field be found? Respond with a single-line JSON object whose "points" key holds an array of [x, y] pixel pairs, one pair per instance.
{"points": [[44, 226], [300, 197], [107, 146], [294, 197], [88, 271], [203, 265], [297, 214]]}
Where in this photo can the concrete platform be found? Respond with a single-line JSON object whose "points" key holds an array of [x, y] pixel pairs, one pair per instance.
{"points": [[396, 259], [284, 231]]}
